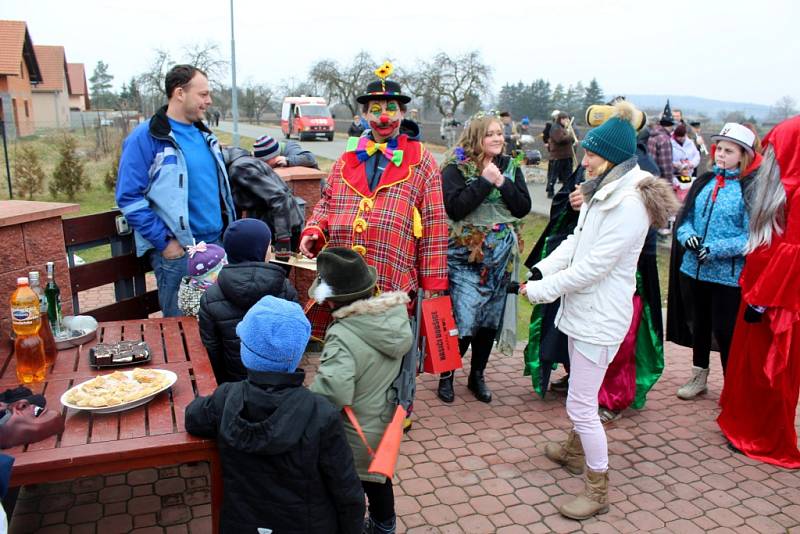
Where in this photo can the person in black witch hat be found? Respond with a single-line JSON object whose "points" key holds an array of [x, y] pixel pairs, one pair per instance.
{"points": [[383, 199], [659, 145]]}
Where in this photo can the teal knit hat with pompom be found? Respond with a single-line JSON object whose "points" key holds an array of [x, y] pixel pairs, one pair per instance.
{"points": [[615, 139]]}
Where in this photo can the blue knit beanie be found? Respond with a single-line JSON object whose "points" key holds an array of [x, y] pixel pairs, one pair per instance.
{"points": [[615, 139], [274, 334], [246, 240]]}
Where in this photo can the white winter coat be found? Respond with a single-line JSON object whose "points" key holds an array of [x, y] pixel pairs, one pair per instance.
{"points": [[686, 151], [594, 269]]}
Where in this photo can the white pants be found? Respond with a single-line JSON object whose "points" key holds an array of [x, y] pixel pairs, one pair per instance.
{"points": [[585, 379]]}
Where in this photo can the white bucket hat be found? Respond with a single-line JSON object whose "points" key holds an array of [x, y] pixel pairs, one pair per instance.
{"points": [[736, 133]]}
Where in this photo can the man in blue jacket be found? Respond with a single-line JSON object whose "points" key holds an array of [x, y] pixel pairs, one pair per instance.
{"points": [[172, 184]]}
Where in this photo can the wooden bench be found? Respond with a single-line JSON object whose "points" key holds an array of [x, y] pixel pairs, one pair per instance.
{"points": [[123, 268]]}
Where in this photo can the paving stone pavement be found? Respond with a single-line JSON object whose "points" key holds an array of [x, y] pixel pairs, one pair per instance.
{"points": [[478, 468]]}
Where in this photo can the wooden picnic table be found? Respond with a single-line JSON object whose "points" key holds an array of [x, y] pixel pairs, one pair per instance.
{"points": [[146, 436]]}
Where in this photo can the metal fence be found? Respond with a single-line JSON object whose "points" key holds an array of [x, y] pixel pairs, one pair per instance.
{"points": [[98, 135]]}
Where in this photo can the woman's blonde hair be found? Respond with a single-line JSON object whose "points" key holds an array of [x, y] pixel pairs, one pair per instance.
{"points": [[471, 139]]}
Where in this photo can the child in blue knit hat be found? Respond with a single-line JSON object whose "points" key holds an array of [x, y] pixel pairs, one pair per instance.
{"points": [[286, 463]]}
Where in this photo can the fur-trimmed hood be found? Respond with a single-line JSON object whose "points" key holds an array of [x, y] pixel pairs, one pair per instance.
{"points": [[657, 195], [380, 322], [374, 305], [659, 200]]}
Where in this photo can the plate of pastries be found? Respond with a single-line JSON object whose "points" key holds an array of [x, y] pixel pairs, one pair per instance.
{"points": [[118, 391]]}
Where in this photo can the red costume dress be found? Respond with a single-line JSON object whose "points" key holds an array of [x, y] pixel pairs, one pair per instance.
{"points": [[760, 395], [400, 227]]}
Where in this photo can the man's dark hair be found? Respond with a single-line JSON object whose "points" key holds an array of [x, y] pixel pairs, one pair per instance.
{"points": [[505, 114], [180, 76], [365, 106]]}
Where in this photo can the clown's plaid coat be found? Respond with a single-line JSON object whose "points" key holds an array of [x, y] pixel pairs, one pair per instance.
{"points": [[400, 227]]}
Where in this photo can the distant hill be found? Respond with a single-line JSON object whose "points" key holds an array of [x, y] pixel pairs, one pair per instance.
{"points": [[692, 105]]}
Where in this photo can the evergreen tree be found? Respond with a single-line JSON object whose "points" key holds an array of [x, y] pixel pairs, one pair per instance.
{"points": [[28, 173], [101, 86], [472, 104], [130, 97], [574, 100], [558, 99], [68, 177], [593, 94], [540, 99]]}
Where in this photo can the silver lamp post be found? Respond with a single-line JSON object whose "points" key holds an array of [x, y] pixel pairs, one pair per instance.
{"points": [[234, 91]]}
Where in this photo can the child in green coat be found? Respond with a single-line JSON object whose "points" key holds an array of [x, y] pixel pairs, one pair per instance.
{"points": [[364, 348]]}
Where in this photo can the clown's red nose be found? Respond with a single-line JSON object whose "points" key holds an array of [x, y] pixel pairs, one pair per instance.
{"points": [[384, 119]]}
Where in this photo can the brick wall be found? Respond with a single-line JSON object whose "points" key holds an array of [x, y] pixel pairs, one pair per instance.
{"points": [[31, 235], [305, 183]]}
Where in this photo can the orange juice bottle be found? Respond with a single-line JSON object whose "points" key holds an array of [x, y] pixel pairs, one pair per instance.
{"points": [[26, 322]]}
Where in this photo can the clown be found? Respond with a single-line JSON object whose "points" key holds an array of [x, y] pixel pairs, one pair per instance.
{"points": [[383, 199]]}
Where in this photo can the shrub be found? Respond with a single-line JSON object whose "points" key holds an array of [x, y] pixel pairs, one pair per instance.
{"points": [[68, 177], [28, 173], [110, 178]]}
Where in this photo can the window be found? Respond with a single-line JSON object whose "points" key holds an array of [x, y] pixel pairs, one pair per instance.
{"points": [[27, 112], [21, 70], [315, 111]]}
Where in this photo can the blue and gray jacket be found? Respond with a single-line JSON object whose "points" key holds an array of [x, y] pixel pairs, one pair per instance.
{"points": [[723, 225], [152, 187]]}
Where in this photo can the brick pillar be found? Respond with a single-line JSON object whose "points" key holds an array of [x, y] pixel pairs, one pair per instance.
{"points": [[304, 183], [31, 235]]}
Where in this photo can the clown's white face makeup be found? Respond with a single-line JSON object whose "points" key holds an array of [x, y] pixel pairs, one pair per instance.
{"points": [[727, 154], [384, 118]]}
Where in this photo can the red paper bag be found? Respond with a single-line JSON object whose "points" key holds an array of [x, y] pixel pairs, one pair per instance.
{"points": [[441, 336]]}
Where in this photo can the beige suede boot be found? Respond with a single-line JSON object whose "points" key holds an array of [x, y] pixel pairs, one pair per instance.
{"points": [[697, 384], [593, 500], [569, 454]]}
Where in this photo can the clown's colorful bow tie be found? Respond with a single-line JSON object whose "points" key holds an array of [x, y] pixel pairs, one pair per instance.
{"points": [[365, 147]]}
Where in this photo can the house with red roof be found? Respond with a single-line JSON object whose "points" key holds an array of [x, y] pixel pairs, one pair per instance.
{"points": [[19, 71], [51, 96], [78, 88]]}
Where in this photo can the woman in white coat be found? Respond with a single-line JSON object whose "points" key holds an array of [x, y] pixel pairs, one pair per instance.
{"points": [[594, 273]]}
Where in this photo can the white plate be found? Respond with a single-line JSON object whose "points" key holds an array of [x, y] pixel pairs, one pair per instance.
{"points": [[172, 378]]}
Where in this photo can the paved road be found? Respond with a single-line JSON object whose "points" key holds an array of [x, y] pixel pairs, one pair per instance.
{"points": [[324, 148], [333, 149]]}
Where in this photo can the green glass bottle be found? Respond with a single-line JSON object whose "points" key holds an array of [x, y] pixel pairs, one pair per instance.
{"points": [[53, 294]]}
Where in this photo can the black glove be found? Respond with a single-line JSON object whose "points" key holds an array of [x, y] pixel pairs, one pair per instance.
{"points": [[753, 314], [693, 243], [536, 274], [702, 254], [513, 288]]}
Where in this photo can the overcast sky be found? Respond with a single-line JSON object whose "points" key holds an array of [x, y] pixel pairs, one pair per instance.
{"points": [[734, 50]]}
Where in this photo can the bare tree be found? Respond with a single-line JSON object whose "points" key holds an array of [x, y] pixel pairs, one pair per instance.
{"points": [[222, 97], [257, 99], [449, 81], [343, 84], [151, 81], [205, 57], [785, 107], [293, 88]]}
